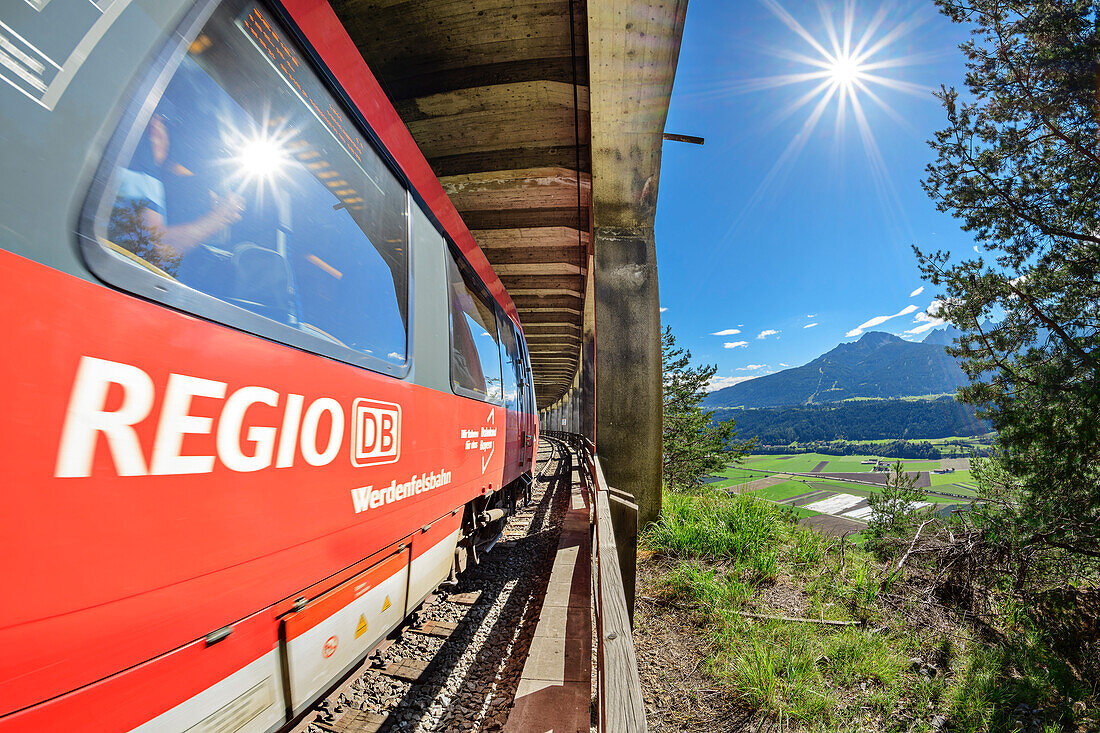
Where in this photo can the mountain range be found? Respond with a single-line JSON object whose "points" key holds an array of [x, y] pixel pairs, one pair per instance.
{"points": [[878, 366]]}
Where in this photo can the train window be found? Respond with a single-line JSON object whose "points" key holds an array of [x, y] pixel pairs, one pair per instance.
{"points": [[512, 363], [475, 346], [245, 182]]}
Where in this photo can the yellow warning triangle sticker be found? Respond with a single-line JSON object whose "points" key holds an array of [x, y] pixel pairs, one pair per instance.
{"points": [[386, 604], [362, 627]]}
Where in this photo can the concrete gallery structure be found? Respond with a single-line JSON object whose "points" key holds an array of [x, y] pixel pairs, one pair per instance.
{"points": [[544, 121]]}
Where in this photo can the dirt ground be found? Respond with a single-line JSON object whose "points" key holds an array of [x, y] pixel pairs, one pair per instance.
{"points": [[680, 694]]}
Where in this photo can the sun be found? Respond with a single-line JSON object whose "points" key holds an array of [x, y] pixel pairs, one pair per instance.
{"points": [[852, 64], [845, 71]]}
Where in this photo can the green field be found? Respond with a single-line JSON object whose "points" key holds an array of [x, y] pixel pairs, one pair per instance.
{"points": [[782, 491], [805, 462], [800, 511], [920, 465], [965, 490], [957, 477], [757, 467]]}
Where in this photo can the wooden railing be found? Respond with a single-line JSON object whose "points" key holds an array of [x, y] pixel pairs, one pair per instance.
{"points": [[614, 559]]}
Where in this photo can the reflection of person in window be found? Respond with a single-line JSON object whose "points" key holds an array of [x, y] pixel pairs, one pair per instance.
{"points": [[139, 220]]}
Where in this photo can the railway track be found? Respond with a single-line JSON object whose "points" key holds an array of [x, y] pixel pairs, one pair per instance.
{"points": [[456, 666]]}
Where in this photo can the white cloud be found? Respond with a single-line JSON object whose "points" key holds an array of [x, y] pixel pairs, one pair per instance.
{"points": [[735, 344], [751, 367], [916, 292], [783, 365], [927, 326], [976, 248], [395, 355], [879, 319], [663, 310], [722, 382], [928, 318], [809, 325], [727, 332], [811, 315], [765, 334]]}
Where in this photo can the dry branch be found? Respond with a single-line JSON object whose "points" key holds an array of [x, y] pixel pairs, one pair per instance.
{"points": [[799, 620]]}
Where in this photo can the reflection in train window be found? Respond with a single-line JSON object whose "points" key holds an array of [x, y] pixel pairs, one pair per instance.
{"points": [[245, 181], [475, 350], [512, 363]]}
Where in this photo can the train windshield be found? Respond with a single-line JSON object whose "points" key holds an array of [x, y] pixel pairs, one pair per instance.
{"points": [[245, 180]]}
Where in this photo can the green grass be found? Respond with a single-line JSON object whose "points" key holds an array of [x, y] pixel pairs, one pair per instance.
{"points": [[721, 554], [790, 669], [915, 465], [939, 479], [800, 512], [717, 526], [782, 491], [965, 490], [805, 462], [786, 490]]}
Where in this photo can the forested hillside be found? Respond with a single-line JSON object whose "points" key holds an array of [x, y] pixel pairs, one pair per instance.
{"points": [[858, 420]]}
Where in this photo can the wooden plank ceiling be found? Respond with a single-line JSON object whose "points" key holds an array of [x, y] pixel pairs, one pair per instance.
{"points": [[495, 92]]}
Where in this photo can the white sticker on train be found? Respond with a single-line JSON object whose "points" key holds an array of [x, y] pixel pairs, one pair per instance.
{"points": [[375, 432], [368, 497], [315, 431]]}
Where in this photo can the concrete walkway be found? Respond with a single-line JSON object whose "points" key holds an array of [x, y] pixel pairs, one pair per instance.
{"points": [[555, 689]]}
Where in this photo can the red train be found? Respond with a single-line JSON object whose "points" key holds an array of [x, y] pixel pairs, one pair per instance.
{"points": [[262, 392]]}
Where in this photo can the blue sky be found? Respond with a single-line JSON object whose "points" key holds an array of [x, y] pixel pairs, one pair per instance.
{"points": [[759, 235]]}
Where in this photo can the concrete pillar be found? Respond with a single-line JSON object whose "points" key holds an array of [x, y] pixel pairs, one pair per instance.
{"points": [[633, 47], [628, 365], [588, 358], [576, 409]]}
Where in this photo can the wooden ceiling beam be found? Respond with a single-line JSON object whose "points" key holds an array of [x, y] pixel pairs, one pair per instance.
{"points": [[409, 82], [550, 188], [530, 269], [529, 216], [482, 119], [544, 291], [559, 327], [554, 338], [532, 156], [401, 37], [521, 283], [530, 251], [532, 238], [528, 317], [549, 301], [561, 359]]}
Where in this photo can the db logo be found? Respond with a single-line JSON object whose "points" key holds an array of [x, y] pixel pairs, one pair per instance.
{"points": [[376, 432], [330, 646]]}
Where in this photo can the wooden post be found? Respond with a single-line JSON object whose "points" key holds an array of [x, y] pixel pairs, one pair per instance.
{"points": [[624, 520], [620, 687]]}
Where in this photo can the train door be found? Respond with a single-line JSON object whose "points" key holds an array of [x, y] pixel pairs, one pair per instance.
{"points": [[530, 418], [514, 400]]}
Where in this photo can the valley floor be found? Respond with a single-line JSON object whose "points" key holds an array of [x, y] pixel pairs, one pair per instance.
{"points": [[830, 492]]}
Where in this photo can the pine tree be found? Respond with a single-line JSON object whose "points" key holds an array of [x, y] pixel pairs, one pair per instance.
{"points": [[694, 443], [1019, 165], [894, 509]]}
